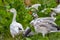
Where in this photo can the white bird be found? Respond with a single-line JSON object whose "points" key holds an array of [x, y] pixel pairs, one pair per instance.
{"points": [[52, 18], [15, 27], [45, 19], [43, 25]]}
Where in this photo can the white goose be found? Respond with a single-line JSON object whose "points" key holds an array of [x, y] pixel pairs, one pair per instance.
{"points": [[45, 19], [50, 19], [47, 22], [43, 25], [15, 27]]}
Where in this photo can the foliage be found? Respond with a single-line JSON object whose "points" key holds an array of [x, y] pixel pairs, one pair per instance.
{"points": [[24, 18]]}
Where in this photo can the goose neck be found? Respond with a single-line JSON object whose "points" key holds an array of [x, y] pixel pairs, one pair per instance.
{"points": [[14, 17]]}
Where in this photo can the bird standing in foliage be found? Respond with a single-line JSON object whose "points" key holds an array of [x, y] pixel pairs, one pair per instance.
{"points": [[44, 25], [15, 27]]}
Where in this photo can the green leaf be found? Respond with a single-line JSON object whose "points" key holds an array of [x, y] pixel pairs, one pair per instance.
{"points": [[28, 39]]}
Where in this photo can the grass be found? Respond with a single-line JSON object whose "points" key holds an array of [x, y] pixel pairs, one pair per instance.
{"points": [[6, 18]]}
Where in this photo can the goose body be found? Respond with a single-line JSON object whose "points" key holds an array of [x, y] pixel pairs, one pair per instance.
{"points": [[52, 18], [15, 27], [43, 25]]}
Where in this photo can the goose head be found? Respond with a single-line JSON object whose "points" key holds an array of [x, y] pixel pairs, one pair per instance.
{"points": [[33, 12], [12, 10], [35, 6], [35, 15]]}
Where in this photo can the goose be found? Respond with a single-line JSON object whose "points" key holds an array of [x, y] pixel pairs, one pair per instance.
{"points": [[45, 19], [45, 28], [15, 27], [44, 25], [52, 18]]}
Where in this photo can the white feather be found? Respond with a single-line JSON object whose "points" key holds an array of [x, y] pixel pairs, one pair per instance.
{"points": [[14, 26], [37, 22]]}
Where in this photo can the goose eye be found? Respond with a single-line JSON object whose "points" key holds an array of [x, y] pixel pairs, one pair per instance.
{"points": [[19, 28]]}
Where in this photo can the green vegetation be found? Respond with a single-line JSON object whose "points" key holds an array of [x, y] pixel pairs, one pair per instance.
{"points": [[24, 18]]}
